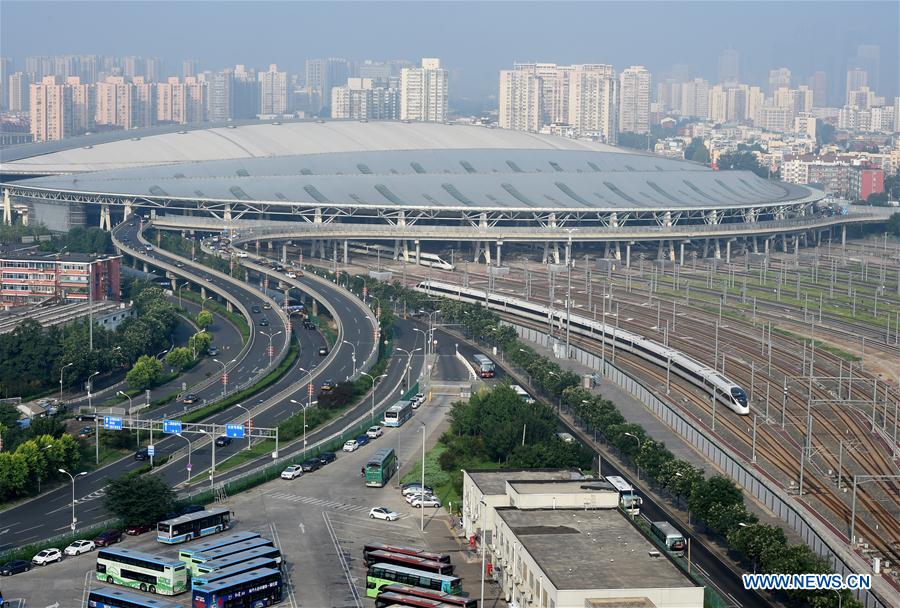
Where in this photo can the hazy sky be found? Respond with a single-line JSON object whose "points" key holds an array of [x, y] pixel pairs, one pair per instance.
{"points": [[474, 39]]}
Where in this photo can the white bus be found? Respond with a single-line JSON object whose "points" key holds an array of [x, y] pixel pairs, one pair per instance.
{"points": [[484, 367], [147, 572], [193, 525], [668, 535], [398, 413], [628, 500], [521, 392]]}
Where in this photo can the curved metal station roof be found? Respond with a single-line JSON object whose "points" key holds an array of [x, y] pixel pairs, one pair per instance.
{"points": [[397, 165]]}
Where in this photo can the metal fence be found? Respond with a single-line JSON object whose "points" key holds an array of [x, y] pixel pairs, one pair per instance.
{"points": [[765, 489]]}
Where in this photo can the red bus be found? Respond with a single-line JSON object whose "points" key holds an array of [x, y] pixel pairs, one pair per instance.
{"points": [[443, 599], [409, 561], [435, 557]]}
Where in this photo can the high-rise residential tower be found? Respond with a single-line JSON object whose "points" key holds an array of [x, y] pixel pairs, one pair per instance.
{"points": [[634, 100], [51, 109], [423, 92], [273, 92], [520, 100]]}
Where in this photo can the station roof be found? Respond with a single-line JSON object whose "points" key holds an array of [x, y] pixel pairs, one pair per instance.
{"points": [[602, 550], [398, 165]]}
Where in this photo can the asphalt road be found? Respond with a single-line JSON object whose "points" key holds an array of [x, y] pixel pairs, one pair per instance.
{"points": [[50, 514]]}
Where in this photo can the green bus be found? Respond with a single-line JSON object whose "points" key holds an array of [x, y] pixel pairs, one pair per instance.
{"points": [[185, 555], [381, 467], [381, 574], [143, 571]]}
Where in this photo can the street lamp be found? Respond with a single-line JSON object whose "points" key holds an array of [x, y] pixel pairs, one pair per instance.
{"points": [[61, 370], [180, 287], [353, 357], [224, 375], [373, 390], [89, 387], [73, 477], [248, 422], [422, 506], [304, 408], [409, 362], [270, 336], [189, 466], [635, 437]]}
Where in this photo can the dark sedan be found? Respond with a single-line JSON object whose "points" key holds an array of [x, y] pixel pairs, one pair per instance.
{"points": [[326, 457], [311, 465], [15, 567]]}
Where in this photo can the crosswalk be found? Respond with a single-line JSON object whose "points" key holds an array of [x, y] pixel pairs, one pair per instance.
{"points": [[319, 502]]}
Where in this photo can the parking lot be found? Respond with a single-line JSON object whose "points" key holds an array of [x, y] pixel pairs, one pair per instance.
{"points": [[320, 521]]}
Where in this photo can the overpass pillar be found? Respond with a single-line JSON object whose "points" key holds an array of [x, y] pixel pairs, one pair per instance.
{"points": [[568, 253], [681, 253], [127, 210], [202, 292], [284, 253], [346, 253], [499, 247], [174, 284], [843, 235], [728, 251], [228, 306], [546, 252], [606, 250], [618, 251], [671, 248], [105, 219], [555, 252], [659, 250], [396, 249], [796, 244], [766, 246], [628, 255], [705, 248], [755, 245], [418, 251], [228, 213], [718, 250], [7, 207], [315, 307]]}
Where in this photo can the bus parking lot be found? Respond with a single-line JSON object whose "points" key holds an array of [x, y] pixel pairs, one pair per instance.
{"points": [[320, 521]]}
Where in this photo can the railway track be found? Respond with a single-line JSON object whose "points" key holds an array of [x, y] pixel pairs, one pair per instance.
{"points": [[771, 446]]}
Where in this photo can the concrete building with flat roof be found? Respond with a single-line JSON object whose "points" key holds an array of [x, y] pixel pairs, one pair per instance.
{"points": [[561, 558], [556, 539]]}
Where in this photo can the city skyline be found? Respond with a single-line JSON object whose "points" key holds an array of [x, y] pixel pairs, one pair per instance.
{"points": [[771, 36]]}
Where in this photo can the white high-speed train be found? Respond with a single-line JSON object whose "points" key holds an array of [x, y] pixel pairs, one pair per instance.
{"points": [[727, 392], [425, 259]]}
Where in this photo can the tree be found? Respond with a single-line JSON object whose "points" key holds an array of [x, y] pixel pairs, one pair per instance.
{"points": [[697, 151], [199, 342], [877, 199], [716, 490], [758, 542], [179, 357], [893, 224], [744, 160], [204, 319], [145, 373], [140, 499]]}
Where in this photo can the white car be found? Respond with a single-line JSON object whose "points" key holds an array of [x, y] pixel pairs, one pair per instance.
{"points": [[409, 498], [374, 432], [410, 489], [291, 275], [292, 472], [428, 501], [384, 513], [79, 547], [47, 556], [351, 445]]}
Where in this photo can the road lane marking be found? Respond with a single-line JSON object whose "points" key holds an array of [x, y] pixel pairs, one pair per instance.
{"points": [[344, 566]]}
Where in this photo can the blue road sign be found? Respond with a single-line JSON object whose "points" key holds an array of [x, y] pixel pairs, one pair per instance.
{"points": [[235, 431], [172, 426], [151, 450], [112, 423]]}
